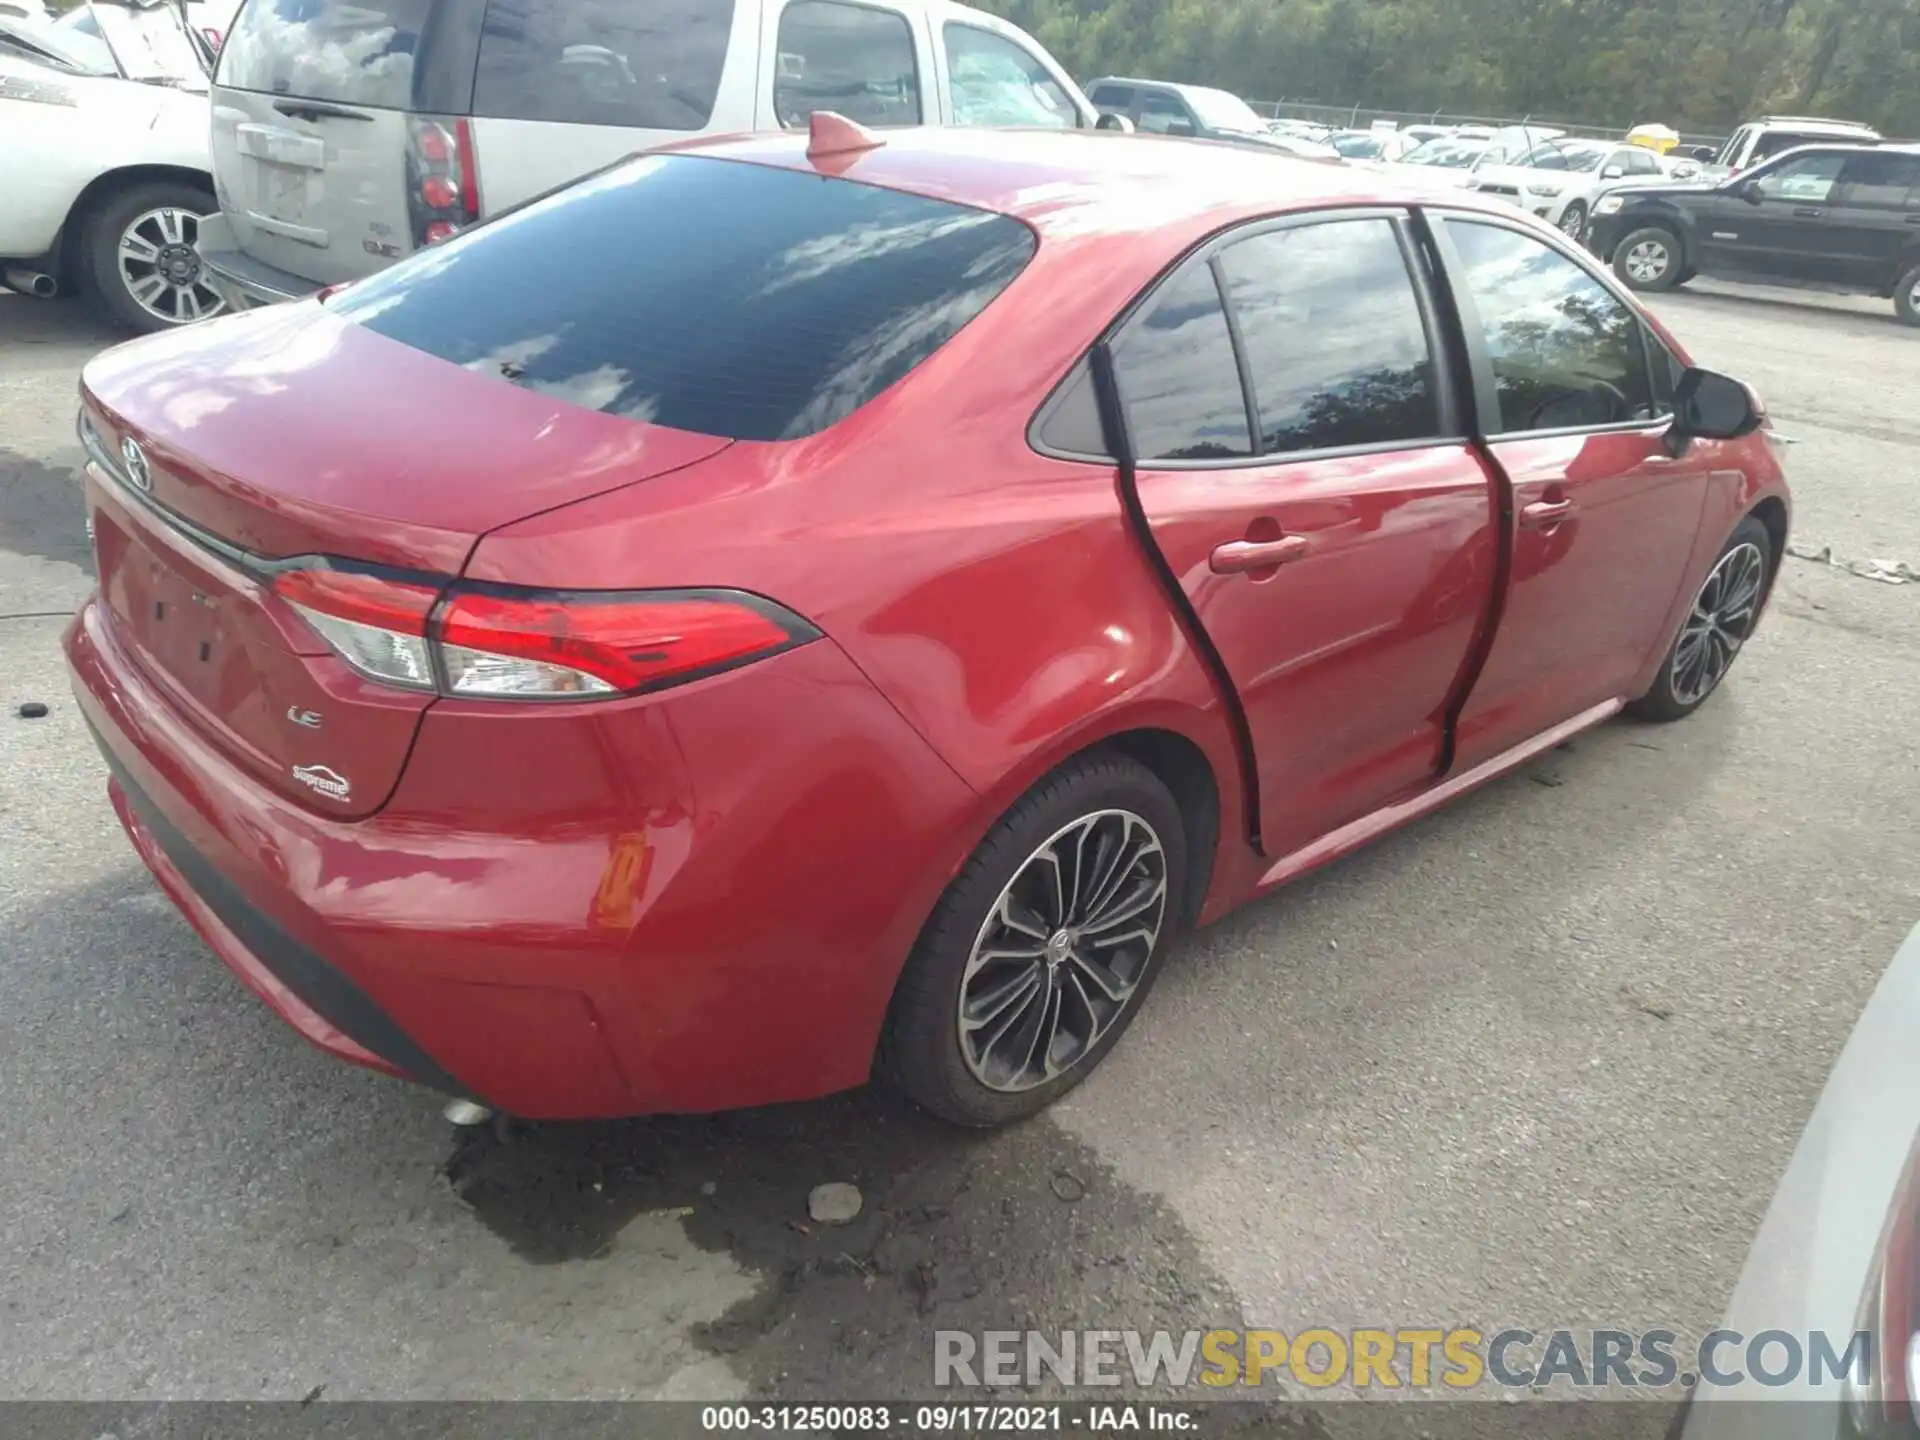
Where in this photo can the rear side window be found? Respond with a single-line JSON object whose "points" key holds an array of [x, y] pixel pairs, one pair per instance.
{"points": [[1880, 180], [857, 60], [1112, 97], [1333, 337], [351, 52], [707, 295], [649, 64], [1178, 377]]}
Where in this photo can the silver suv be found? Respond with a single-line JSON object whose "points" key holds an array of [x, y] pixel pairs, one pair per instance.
{"points": [[349, 133]]}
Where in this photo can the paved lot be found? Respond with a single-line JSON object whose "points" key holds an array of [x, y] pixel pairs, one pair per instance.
{"points": [[1538, 1059]]}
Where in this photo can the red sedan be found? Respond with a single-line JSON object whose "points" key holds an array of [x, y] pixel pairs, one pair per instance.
{"points": [[784, 610]]}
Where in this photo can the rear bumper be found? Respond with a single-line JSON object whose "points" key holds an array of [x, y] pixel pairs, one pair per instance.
{"points": [[692, 901], [243, 282]]}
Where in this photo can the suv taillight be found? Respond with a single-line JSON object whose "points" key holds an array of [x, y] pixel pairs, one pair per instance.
{"points": [[502, 643], [443, 188]]}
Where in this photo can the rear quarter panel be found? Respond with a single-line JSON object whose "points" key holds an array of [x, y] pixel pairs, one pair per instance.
{"points": [[998, 598]]}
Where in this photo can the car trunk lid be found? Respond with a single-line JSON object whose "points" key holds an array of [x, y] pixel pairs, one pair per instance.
{"points": [[275, 439]]}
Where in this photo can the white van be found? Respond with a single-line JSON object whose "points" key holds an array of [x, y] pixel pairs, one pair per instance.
{"points": [[348, 133]]}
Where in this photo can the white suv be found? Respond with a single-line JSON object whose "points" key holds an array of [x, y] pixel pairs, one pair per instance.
{"points": [[348, 133], [1768, 136]]}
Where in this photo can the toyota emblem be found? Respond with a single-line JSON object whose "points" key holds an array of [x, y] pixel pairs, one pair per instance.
{"points": [[136, 459]]}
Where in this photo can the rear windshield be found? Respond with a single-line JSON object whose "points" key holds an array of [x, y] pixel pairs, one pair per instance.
{"points": [[708, 295], [386, 54], [653, 65]]}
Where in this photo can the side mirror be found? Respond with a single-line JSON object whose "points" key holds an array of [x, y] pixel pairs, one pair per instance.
{"points": [[1748, 190], [1179, 127], [1711, 406], [1613, 172], [1703, 153], [1114, 120]]}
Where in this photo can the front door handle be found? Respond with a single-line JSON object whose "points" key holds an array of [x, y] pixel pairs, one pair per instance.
{"points": [[1913, 219], [1237, 557], [1544, 514], [1808, 212]]}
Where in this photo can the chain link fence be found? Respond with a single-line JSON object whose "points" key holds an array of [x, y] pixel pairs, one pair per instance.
{"points": [[1361, 117]]}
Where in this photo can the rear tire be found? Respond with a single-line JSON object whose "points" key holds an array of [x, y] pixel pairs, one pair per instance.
{"points": [[1649, 259], [1044, 947], [1906, 297], [1716, 628], [137, 262]]}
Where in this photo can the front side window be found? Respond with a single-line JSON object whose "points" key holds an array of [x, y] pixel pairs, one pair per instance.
{"points": [[1112, 97], [1178, 377], [855, 60], [1806, 180], [1880, 180], [350, 52], [1567, 352], [993, 81], [744, 301], [1333, 336], [649, 64], [1160, 113], [1639, 162]]}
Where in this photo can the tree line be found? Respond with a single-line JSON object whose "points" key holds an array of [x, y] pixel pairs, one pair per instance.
{"points": [[1698, 65]]}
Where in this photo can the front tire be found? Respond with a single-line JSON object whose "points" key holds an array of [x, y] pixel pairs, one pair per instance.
{"points": [[1649, 259], [138, 262], [1043, 949], [1906, 297], [1719, 622], [1573, 223]]}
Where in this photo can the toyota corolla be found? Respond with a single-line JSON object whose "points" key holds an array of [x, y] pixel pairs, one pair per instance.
{"points": [[800, 607]]}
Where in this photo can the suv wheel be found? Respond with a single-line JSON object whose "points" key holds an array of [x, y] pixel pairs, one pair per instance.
{"points": [[1573, 223], [1648, 259], [138, 261], [1906, 297]]}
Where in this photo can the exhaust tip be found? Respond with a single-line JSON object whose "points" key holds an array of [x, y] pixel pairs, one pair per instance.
{"points": [[466, 1113], [36, 283]]}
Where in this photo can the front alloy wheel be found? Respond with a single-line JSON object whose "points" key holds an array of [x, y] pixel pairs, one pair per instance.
{"points": [[1573, 223], [1648, 259], [1061, 953], [1720, 621]]}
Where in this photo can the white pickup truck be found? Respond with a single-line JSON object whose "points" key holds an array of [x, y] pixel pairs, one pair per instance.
{"points": [[104, 119]]}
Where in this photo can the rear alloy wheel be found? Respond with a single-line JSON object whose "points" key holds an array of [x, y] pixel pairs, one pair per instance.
{"points": [[1039, 955], [1573, 223], [1906, 297], [1721, 618], [1648, 259], [141, 265]]}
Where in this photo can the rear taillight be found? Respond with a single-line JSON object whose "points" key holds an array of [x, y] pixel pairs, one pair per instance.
{"points": [[443, 189], [494, 642], [377, 625]]}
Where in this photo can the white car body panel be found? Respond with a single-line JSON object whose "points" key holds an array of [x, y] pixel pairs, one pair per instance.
{"points": [[54, 151], [1810, 1262]]}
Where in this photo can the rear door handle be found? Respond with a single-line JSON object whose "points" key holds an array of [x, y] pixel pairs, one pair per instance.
{"points": [[1542, 514], [1809, 212], [1237, 557]]}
